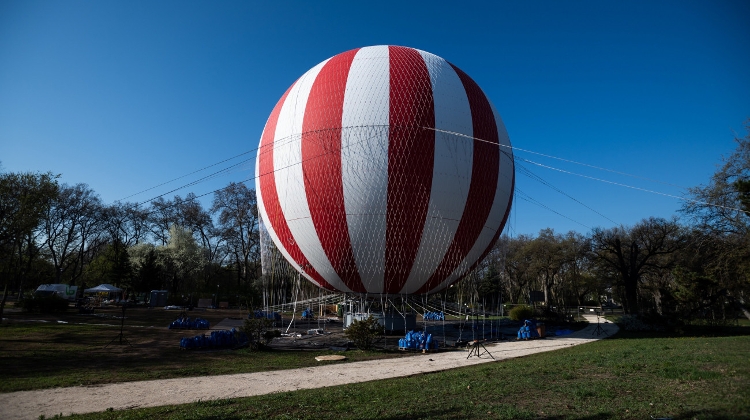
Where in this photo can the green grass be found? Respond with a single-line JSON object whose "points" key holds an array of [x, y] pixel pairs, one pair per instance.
{"points": [[703, 374], [631, 376], [37, 355]]}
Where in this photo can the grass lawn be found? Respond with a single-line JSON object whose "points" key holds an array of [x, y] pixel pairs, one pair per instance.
{"points": [[37, 355], [700, 375]]}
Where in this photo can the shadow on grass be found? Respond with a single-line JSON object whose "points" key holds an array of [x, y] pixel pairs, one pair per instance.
{"points": [[505, 411], [688, 415], [696, 331], [708, 414]]}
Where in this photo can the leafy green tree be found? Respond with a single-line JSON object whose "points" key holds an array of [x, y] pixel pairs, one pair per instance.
{"points": [[111, 266], [26, 198], [184, 258], [148, 272]]}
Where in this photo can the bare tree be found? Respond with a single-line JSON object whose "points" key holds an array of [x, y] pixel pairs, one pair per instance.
{"points": [[194, 217], [723, 206], [124, 225], [517, 271], [237, 208], [547, 261], [633, 252], [718, 264], [577, 255], [162, 216], [72, 230]]}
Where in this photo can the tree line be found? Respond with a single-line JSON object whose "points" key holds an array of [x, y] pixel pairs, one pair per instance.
{"points": [[60, 233], [694, 267]]}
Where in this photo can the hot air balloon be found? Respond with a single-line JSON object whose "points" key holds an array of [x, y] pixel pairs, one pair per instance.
{"points": [[384, 170]]}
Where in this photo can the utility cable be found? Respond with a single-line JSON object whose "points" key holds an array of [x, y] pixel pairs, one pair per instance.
{"points": [[591, 177], [186, 175], [525, 197], [253, 177], [280, 142], [536, 177], [558, 158], [634, 188]]}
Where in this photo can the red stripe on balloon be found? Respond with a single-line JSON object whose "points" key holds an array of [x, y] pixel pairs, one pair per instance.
{"points": [[271, 197], [497, 234], [411, 156], [321, 166], [484, 174]]}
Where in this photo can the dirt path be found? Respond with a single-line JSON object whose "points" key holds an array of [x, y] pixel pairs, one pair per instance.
{"points": [[86, 399]]}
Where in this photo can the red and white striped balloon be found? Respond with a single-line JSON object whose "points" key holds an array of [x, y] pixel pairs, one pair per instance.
{"points": [[384, 170]]}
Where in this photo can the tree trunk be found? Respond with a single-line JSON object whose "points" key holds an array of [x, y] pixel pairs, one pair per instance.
{"points": [[631, 279], [742, 308], [2, 302], [631, 294]]}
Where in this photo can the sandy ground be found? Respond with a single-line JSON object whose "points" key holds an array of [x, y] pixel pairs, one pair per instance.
{"points": [[86, 399]]}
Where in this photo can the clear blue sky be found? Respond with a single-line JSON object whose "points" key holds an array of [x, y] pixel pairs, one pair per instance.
{"points": [[126, 95]]}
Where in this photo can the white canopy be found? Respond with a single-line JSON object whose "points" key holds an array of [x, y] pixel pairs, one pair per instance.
{"points": [[106, 288]]}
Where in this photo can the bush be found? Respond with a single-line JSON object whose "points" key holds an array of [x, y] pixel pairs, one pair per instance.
{"points": [[521, 312], [259, 332], [363, 333], [47, 304], [649, 322], [551, 315], [632, 323]]}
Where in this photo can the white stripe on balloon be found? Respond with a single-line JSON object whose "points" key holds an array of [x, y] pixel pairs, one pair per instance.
{"points": [[364, 161], [287, 162], [451, 176]]}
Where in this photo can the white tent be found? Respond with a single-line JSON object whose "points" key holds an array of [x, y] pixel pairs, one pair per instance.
{"points": [[103, 288]]}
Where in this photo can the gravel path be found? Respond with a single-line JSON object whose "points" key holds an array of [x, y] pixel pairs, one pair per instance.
{"points": [[120, 396]]}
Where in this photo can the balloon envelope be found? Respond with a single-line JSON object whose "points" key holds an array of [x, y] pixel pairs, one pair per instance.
{"points": [[384, 169]]}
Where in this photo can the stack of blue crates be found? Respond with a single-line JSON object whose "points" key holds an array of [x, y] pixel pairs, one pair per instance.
{"points": [[417, 340], [528, 330], [188, 324], [216, 340], [434, 316]]}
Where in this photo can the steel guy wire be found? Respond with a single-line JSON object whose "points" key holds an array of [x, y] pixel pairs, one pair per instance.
{"points": [[524, 170], [563, 159], [525, 197]]}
